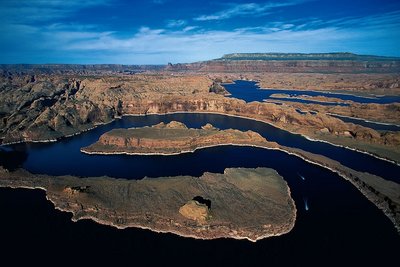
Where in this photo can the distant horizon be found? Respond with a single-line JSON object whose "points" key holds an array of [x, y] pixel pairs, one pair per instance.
{"points": [[178, 31], [164, 64]]}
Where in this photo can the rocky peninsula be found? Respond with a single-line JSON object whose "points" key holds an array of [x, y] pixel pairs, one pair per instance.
{"points": [[240, 203], [320, 99], [168, 139], [175, 138]]}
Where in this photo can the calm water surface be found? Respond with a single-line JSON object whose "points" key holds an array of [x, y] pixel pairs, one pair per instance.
{"points": [[339, 225], [250, 91], [65, 156], [369, 124]]}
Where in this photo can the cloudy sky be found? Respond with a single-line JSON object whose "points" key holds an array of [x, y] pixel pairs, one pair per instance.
{"points": [[162, 31]]}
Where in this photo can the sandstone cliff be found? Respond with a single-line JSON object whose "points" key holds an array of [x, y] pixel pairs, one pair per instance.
{"points": [[281, 62], [168, 139], [45, 107]]}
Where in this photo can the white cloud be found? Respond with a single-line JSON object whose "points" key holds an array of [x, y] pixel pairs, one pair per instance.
{"points": [[245, 9], [190, 28], [68, 43], [175, 23], [204, 45], [192, 44]]}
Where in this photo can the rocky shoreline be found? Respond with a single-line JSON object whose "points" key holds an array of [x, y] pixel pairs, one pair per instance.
{"points": [[366, 183], [51, 107], [154, 203], [47, 107], [376, 189], [379, 191], [168, 139]]}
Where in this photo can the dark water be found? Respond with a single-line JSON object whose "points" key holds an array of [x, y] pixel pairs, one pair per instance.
{"points": [[340, 225], [369, 124], [249, 91], [66, 158], [335, 235]]}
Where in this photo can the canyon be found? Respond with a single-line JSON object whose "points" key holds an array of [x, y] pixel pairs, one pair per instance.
{"points": [[42, 103], [49, 107]]}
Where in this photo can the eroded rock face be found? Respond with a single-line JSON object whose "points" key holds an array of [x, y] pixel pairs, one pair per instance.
{"points": [[51, 107], [196, 211], [168, 139], [171, 125], [257, 66]]}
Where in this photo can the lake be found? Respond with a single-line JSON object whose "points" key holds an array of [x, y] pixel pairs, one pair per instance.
{"points": [[35, 157], [340, 222], [370, 124], [250, 91]]}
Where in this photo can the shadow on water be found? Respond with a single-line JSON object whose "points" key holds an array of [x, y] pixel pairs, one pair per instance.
{"points": [[12, 159]]}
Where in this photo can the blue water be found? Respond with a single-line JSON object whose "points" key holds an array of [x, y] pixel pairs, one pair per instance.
{"points": [[334, 220], [369, 124], [250, 91], [66, 158]]}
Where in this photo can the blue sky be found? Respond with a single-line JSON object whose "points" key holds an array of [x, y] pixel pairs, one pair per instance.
{"points": [[162, 31]]}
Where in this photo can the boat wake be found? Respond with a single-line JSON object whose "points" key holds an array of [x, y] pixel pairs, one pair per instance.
{"points": [[306, 204]]}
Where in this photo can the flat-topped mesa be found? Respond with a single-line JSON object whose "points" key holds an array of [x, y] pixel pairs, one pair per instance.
{"points": [[169, 139], [240, 203], [305, 56], [293, 62]]}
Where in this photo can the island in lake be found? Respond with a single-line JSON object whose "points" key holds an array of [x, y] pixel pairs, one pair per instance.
{"points": [[169, 139], [240, 203]]}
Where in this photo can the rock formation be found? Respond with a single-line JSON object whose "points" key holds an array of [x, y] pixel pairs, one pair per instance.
{"points": [[168, 139], [43, 107], [280, 62], [196, 211], [247, 203]]}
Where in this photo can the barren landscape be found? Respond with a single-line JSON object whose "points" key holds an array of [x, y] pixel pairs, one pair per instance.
{"points": [[168, 204], [200, 133], [47, 107], [49, 103]]}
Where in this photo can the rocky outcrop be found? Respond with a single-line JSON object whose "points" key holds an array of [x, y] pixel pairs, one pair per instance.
{"points": [[168, 139], [51, 107], [195, 211], [281, 116], [218, 89], [247, 203]]}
